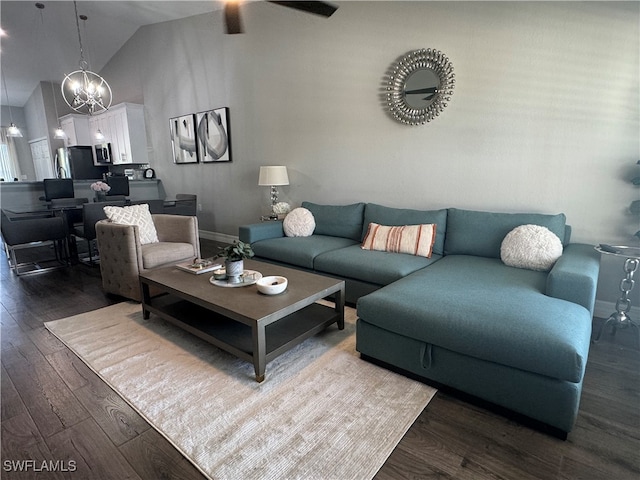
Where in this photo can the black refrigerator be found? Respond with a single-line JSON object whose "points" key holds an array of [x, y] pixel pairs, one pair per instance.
{"points": [[77, 163]]}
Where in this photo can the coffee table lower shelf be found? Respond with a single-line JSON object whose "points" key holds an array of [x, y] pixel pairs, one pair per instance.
{"points": [[241, 339]]}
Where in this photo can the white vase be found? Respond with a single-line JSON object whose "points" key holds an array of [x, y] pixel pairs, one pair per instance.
{"points": [[234, 270]]}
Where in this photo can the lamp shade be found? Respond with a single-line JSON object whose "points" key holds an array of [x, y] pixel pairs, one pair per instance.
{"points": [[273, 175]]}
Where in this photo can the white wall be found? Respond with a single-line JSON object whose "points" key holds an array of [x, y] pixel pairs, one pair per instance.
{"points": [[544, 116]]}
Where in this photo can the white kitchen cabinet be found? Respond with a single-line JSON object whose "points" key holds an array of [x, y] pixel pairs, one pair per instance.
{"points": [[124, 128], [76, 128]]}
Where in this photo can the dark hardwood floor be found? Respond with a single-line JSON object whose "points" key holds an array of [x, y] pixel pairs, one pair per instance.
{"points": [[55, 410]]}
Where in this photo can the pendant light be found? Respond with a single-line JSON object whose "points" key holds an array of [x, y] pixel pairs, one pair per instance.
{"points": [[12, 131], [83, 90], [58, 133]]}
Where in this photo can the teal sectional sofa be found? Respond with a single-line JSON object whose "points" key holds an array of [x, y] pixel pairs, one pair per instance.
{"points": [[514, 337]]}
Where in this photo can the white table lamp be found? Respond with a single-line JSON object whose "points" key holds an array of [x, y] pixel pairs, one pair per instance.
{"points": [[273, 176]]}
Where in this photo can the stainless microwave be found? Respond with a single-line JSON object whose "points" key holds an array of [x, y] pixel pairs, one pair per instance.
{"points": [[103, 154]]}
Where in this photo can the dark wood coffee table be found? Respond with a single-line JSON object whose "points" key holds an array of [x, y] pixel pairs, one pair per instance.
{"points": [[252, 326]]}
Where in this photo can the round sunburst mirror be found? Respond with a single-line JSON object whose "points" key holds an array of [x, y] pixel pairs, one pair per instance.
{"points": [[420, 85]]}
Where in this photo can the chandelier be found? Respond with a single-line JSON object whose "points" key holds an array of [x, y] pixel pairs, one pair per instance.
{"points": [[83, 90]]}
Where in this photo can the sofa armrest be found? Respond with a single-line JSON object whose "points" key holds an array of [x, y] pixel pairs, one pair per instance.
{"points": [[574, 277], [177, 228], [260, 231]]}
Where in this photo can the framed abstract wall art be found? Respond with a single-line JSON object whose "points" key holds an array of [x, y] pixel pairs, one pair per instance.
{"points": [[183, 139], [214, 141]]}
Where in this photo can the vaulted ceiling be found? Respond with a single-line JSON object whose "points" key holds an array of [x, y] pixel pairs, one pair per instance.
{"points": [[41, 44]]}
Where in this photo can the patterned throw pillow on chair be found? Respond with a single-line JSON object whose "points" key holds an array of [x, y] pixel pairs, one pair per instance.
{"points": [[134, 215]]}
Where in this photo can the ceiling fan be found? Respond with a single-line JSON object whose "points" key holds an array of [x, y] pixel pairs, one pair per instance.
{"points": [[233, 23]]}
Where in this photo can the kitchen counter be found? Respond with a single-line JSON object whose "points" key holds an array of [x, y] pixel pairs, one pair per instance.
{"points": [[28, 193]]}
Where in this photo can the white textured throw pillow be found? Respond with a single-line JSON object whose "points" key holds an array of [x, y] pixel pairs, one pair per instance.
{"points": [[299, 222], [134, 215], [531, 246]]}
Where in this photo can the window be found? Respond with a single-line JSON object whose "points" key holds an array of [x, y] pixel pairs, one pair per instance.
{"points": [[9, 168]]}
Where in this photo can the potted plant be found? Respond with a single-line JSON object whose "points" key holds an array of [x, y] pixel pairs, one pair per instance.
{"points": [[235, 255]]}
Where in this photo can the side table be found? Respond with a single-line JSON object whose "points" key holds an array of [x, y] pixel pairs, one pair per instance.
{"points": [[620, 318]]}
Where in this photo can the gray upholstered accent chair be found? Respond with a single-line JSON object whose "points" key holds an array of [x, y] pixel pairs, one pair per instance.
{"points": [[26, 232], [123, 258]]}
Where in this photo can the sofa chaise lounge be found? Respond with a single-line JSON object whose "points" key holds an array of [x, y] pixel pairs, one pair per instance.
{"points": [[515, 337]]}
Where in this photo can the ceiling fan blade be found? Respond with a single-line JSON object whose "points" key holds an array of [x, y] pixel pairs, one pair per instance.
{"points": [[323, 9], [232, 20]]}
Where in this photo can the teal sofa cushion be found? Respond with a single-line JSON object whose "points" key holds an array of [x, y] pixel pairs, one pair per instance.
{"points": [[481, 233], [299, 251], [406, 216], [481, 308], [380, 268], [337, 220]]}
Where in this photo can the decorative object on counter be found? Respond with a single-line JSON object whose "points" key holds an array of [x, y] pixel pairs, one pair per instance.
{"points": [[149, 173], [213, 140], [272, 285], [183, 139], [273, 176], [83, 90], [101, 190], [12, 131], [419, 86], [235, 254]]}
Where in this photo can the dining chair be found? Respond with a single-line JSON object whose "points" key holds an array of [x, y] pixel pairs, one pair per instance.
{"points": [[91, 214], [155, 206], [119, 186], [70, 208], [28, 232], [185, 204], [58, 188]]}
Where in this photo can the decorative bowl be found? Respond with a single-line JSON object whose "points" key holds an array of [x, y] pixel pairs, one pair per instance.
{"points": [[272, 285]]}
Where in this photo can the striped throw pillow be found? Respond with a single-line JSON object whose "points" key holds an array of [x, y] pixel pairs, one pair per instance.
{"points": [[411, 239]]}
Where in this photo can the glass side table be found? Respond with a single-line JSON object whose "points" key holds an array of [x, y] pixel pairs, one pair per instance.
{"points": [[620, 318]]}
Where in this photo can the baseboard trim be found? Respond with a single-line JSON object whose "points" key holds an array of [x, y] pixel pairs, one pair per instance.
{"points": [[605, 309], [217, 237]]}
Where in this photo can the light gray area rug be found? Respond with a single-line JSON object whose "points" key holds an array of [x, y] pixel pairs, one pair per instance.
{"points": [[321, 413]]}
